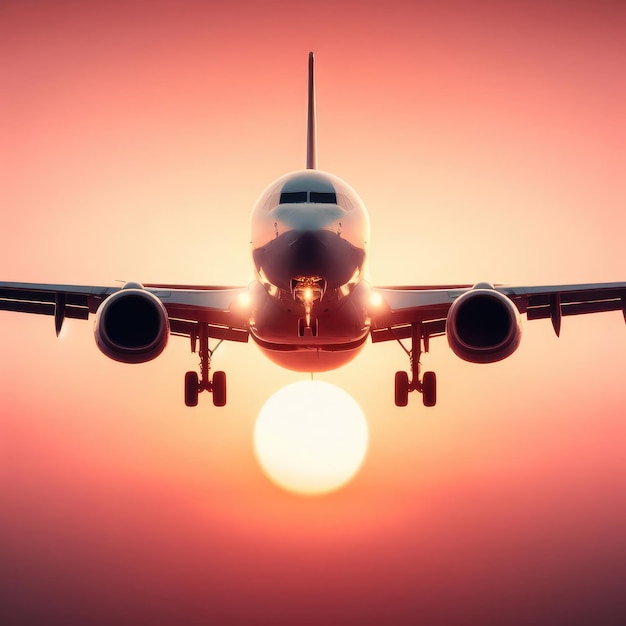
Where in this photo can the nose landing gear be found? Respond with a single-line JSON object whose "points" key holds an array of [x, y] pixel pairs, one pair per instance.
{"points": [[194, 384], [312, 327], [427, 386]]}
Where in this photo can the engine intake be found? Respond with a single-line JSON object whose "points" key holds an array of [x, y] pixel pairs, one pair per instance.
{"points": [[483, 326], [132, 326]]}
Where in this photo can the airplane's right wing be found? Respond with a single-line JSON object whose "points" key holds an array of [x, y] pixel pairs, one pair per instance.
{"points": [[482, 323], [403, 306]]}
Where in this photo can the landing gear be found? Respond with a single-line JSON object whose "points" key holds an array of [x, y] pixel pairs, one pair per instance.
{"points": [[429, 389], [427, 386], [313, 327], [192, 388], [402, 388], [219, 388], [194, 384]]}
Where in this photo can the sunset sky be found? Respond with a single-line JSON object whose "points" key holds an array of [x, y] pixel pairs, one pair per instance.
{"points": [[487, 141]]}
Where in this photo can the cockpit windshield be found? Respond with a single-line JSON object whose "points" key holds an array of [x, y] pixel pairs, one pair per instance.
{"points": [[321, 197], [287, 197], [309, 187], [311, 201]]}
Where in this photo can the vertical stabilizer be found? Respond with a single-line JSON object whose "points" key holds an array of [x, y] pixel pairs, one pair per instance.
{"points": [[311, 130]]}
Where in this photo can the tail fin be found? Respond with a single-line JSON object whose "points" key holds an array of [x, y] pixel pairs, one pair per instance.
{"points": [[311, 131]]}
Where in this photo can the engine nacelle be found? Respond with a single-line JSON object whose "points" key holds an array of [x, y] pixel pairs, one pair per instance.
{"points": [[132, 325], [483, 325]]}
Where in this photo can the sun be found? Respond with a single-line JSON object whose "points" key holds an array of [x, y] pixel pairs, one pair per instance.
{"points": [[311, 437]]}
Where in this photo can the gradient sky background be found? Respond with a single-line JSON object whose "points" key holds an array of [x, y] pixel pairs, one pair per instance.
{"points": [[488, 144]]}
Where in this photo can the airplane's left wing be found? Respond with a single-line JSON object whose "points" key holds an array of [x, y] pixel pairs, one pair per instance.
{"points": [[187, 306]]}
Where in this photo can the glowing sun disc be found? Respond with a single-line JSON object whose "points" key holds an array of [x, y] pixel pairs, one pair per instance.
{"points": [[311, 437]]}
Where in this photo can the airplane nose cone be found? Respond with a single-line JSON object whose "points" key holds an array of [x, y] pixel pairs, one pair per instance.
{"points": [[307, 253]]}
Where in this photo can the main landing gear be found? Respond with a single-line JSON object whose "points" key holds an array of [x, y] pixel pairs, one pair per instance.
{"points": [[194, 384], [427, 386]]}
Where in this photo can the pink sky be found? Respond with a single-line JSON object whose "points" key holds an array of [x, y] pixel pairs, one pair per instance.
{"points": [[487, 144]]}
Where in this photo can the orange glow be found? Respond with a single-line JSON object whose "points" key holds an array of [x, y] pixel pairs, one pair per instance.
{"points": [[376, 299], [244, 300], [487, 142]]}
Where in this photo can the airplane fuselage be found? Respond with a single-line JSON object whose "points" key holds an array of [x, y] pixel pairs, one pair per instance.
{"points": [[309, 240]]}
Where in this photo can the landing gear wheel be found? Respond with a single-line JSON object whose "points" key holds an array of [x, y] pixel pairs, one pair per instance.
{"points": [[219, 388], [429, 389], [191, 389], [401, 389]]}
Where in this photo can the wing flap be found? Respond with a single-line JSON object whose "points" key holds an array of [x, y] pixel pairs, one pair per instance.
{"points": [[186, 328], [576, 308], [568, 294], [44, 308], [28, 300], [435, 328]]}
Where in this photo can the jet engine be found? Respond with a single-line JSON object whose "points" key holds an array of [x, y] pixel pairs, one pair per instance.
{"points": [[483, 325], [132, 325]]}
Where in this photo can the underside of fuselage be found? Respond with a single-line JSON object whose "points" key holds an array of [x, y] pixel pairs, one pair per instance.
{"points": [[311, 359], [338, 328]]}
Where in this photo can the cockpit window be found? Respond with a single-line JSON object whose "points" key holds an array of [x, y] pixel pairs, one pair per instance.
{"points": [[320, 197], [287, 197], [324, 197]]}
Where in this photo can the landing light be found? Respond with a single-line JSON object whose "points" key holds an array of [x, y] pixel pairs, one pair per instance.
{"points": [[308, 289], [244, 299], [376, 299]]}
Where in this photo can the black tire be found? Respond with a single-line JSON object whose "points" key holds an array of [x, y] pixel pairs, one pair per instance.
{"points": [[191, 389], [401, 389], [219, 388], [429, 389]]}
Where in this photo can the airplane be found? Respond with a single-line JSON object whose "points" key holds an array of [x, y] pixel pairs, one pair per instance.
{"points": [[310, 307]]}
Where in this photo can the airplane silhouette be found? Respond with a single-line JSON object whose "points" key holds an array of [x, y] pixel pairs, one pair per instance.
{"points": [[310, 307]]}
